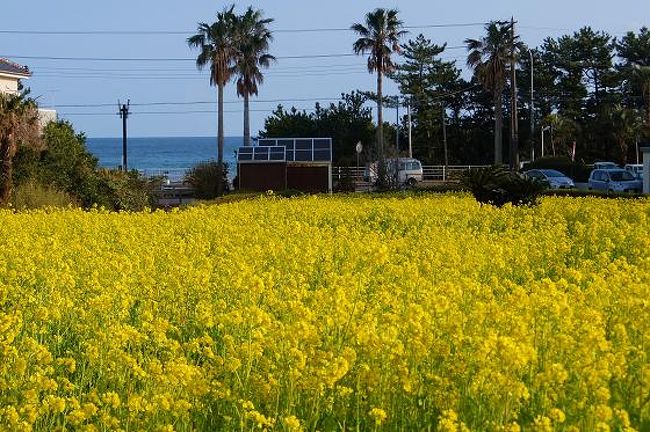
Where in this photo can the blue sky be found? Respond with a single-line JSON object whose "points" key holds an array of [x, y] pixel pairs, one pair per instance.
{"points": [[93, 82]]}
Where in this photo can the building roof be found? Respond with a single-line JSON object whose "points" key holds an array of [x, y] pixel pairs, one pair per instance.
{"points": [[8, 67]]}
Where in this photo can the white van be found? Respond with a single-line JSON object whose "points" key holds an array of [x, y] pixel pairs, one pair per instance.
{"points": [[410, 171]]}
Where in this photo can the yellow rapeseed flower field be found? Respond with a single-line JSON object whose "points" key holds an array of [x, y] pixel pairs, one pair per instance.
{"points": [[328, 313]]}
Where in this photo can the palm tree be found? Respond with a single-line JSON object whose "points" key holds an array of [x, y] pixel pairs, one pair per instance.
{"points": [[625, 127], [18, 122], [218, 49], [489, 57], [253, 38], [380, 38]]}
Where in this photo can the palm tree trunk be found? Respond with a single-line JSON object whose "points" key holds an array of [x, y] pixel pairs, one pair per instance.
{"points": [[380, 116], [6, 169], [247, 121], [646, 92], [220, 137], [498, 126]]}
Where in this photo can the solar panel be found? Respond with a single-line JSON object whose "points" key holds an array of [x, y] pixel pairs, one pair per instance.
{"points": [[288, 149]]}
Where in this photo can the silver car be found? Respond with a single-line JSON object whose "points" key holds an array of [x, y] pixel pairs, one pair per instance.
{"points": [[614, 180], [553, 178]]}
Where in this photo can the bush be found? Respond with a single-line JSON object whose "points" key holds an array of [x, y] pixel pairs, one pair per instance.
{"points": [[346, 182], [33, 195], [67, 165], [204, 179], [578, 171], [496, 185], [119, 190]]}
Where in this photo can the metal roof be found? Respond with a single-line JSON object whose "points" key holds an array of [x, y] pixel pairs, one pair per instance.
{"points": [[10, 68]]}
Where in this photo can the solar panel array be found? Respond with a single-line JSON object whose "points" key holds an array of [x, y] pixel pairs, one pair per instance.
{"points": [[262, 154], [288, 149]]}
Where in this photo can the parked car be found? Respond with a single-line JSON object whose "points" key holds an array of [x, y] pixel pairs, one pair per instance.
{"points": [[635, 169], [606, 165], [553, 178], [410, 171], [614, 180]]}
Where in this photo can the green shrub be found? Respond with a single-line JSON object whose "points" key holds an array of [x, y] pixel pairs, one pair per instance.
{"points": [[290, 193], [33, 195], [204, 179], [120, 190], [66, 164], [346, 182], [496, 185]]}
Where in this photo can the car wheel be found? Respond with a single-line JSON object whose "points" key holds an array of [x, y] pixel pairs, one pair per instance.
{"points": [[412, 182]]}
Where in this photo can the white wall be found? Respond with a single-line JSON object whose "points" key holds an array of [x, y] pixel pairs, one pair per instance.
{"points": [[8, 85]]}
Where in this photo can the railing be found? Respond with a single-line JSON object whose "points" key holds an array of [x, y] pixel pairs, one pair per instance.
{"points": [[171, 174], [429, 172]]}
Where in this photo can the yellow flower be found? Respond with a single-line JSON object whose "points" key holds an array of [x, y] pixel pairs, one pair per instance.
{"points": [[378, 415]]}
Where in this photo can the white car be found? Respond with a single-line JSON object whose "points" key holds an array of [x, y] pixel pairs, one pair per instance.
{"points": [[635, 169], [410, 171], [614, 180], [553, 178], [606, 165]]}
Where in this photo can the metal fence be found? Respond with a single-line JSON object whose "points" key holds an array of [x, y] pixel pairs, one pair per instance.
{"points": [[171, 174], [430, 173]]}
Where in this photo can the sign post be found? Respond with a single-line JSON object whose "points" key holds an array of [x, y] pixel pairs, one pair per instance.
{"points": [[359, 149]]}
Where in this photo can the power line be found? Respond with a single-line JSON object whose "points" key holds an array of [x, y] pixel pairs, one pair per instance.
{"points": [[98, 105], [177, 59], [170, 59], [185, 33], [437, 97], [172, 112]]}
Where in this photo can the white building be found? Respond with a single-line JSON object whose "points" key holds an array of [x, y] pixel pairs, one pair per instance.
{"points": [[10, 75]]}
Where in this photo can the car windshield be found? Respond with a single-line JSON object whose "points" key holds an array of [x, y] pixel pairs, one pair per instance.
{"points": [[621, 176], [553, 173]]}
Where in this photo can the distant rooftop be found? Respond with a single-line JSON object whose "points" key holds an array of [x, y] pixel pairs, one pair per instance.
{"points": [[11, 68]]}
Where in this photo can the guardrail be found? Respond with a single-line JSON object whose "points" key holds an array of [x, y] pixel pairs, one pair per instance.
{"points": [[429, 172]]}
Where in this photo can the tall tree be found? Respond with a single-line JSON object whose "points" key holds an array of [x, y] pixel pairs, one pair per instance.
{"points": [[489, 57], [634, 51], [379, 37], [18, 122], [625, 125], [218, 45], [430, 83], [253, 39]]}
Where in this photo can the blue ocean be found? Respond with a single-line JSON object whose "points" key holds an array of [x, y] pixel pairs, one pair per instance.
{"points": [[162, 156]]}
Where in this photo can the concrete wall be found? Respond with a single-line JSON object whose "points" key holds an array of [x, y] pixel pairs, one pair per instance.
{"points": [[8, 85], [45, 116]]}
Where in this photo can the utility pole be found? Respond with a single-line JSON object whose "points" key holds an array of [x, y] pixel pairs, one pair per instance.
{"points": [[514, 116], [532, 106], [124, 115], [410, 130], [444, 133], [397, 140]]}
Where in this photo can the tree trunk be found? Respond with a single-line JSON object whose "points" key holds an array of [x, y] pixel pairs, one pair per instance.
{"points": [[380, 115], [624, 150], [220, 138], [647, 103], [498, 126], [7, 151], [247, 120]]}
